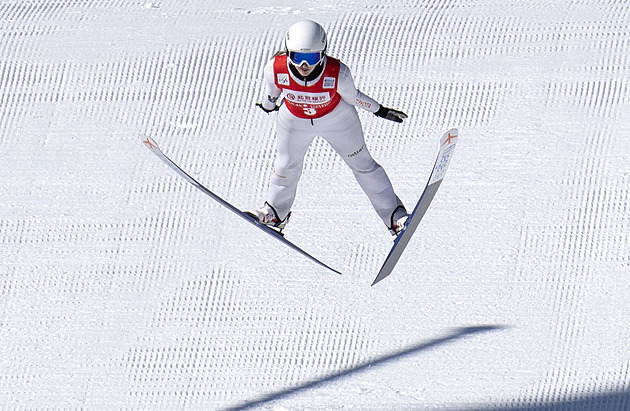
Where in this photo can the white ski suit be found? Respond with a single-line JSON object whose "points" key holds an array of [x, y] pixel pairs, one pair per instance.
{"points": [[322, 107]]}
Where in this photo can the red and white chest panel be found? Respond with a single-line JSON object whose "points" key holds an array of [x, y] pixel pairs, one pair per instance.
{"points": [[312, 101]]}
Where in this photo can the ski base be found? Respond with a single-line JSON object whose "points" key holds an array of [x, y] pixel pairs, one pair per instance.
{"points": [[152, 145], [447, 146]]}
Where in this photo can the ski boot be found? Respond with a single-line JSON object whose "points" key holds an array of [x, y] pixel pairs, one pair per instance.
{"points": [[398, 220], [268, 216]]}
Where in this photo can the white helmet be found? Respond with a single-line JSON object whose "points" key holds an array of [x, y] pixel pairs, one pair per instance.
{"points": [[303, 38]]}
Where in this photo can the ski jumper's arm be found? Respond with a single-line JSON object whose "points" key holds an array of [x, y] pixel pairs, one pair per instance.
{"points": [[351, 95], [272, 92]]}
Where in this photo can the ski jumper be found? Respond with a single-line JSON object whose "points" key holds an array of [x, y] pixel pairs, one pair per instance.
{"points": [[322, 107]]}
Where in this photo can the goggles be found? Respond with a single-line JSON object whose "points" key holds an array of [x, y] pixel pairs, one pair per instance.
{"points": [[311, 58]]}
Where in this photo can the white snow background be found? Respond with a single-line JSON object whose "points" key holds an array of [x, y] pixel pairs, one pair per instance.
{"points": [[124, 287]]}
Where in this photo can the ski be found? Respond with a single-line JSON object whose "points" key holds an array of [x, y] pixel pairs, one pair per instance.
{"points": [[152, 145], [447, 146]]}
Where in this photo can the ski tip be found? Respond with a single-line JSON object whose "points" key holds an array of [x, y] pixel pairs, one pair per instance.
{"points": [[450, 137], [148, 141], [453, 132]]}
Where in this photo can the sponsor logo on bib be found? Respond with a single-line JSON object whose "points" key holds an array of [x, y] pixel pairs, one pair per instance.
{"points": [[283, 79], [304, 98]]}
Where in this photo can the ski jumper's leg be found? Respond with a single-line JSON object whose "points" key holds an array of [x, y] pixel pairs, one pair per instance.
{"points": [[342, 129], [294, 135]]}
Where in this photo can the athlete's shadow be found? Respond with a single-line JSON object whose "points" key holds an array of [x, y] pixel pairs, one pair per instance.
{"points": [[455, 334]]}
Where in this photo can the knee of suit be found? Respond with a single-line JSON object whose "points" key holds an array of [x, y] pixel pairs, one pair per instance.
{"points": [[368, 167], [291, 171]]}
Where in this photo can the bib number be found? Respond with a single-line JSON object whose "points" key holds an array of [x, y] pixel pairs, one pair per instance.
{"points": [[310, 111]]}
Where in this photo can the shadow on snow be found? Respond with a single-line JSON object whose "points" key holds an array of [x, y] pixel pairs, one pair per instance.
{"points": [[456, 334]]}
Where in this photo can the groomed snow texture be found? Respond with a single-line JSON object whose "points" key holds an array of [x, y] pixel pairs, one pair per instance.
{"points": [[124, 287]]}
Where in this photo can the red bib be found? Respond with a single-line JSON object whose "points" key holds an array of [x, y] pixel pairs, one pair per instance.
{"points": [[312, 101]]}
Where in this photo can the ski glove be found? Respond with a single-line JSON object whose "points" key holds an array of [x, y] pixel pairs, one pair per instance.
{"points": [[391, 114], [270, 104]]}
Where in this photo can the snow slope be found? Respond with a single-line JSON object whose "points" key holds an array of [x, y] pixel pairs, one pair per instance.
{"points": [[122, 286]]}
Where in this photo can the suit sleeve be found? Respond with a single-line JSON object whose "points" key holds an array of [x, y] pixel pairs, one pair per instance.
{"points": [[351, 95], [272, 92]]}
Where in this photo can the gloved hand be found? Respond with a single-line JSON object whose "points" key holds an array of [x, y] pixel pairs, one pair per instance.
{"points": [[275, 108], [270, 104], [391, 114]]}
